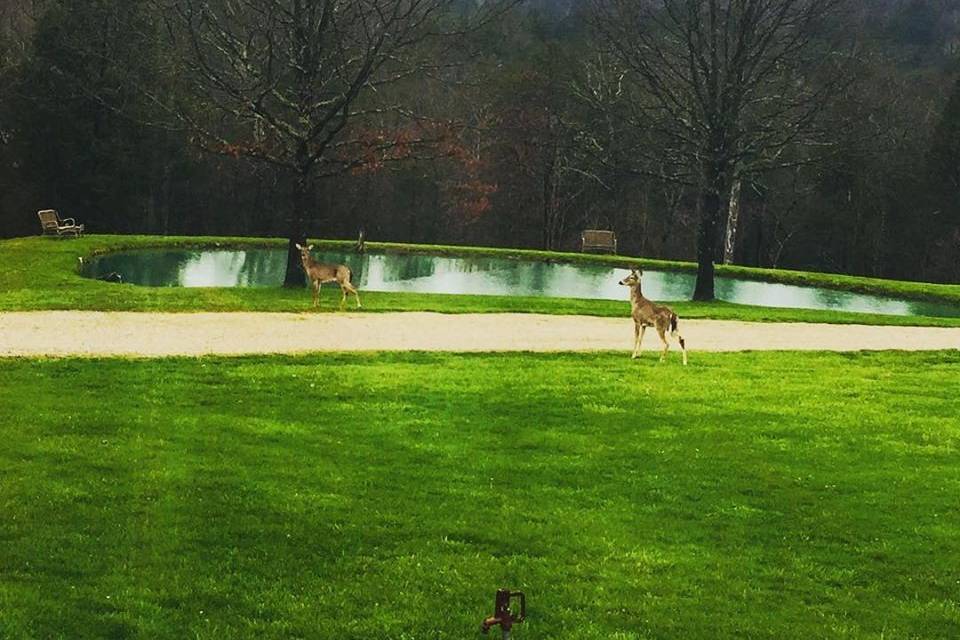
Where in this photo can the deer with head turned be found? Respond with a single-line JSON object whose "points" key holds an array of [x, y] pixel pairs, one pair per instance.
{"points": [[320, 273], [649, 314]]}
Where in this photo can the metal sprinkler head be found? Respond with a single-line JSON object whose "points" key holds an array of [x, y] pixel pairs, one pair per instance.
{"points": [[502, 615]]}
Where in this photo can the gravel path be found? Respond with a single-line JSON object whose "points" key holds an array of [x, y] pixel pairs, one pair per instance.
{"points": [[82, 333]]}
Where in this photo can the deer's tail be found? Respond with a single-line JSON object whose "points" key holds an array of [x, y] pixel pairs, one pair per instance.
{"points": [[673, 324]]}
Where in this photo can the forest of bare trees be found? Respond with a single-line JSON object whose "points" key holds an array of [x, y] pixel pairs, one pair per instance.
{"points": [[814, 134]]}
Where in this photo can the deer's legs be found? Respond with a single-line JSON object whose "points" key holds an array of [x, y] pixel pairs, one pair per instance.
{"points": [[666, 345], [316, 294], [638, 331], [683, 347], [346, 287]]}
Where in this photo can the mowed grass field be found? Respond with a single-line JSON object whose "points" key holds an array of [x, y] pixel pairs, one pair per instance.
{"points": [[753, 495]]}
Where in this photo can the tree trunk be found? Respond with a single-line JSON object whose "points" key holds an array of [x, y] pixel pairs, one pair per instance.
{"points": [[296, 232], [733, 215], [549, 201], [707, 244], [878, 270], [759, 248]]}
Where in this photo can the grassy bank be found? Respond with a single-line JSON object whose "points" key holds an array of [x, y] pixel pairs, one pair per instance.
{"points": [[39, 273], [806, 496]]}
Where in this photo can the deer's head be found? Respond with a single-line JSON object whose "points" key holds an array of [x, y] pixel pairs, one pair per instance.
{"points": [[633, 279], [304, 251]]}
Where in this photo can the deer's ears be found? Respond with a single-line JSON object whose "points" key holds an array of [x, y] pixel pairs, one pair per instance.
{"points": [[310, 247], [298, 247]]}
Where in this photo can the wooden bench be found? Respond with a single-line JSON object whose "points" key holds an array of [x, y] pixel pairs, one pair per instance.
{"points": [[598, 240], [52, 225]]}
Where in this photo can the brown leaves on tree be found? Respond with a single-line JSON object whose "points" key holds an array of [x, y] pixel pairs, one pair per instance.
{"points": [[372, 149], [465, 192]]}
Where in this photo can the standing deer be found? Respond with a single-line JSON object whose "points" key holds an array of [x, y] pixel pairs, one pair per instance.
{"points": [[649, 314], [320, 273]]}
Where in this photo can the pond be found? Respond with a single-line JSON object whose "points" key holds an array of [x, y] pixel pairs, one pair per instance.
{"points": [[480, 276]]}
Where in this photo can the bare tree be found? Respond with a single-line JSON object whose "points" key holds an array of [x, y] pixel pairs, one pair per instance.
{"points": [[536, 134], [17, 20], [719, 89], [305, 85]]}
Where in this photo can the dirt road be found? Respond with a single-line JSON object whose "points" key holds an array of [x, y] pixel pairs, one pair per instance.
{"points": [[81, 333]]}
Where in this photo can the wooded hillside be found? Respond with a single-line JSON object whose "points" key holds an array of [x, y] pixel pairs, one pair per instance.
{"points": [[516, 128]]}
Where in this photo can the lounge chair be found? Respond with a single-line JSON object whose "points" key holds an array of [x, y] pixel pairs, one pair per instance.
{"points": [[53, 226]]}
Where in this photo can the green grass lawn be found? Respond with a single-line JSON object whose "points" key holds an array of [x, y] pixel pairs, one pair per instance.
{"points": [[40, 273], [753, 495]]}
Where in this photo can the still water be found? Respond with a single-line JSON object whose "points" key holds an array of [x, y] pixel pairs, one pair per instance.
{"points": [[480, 276]]}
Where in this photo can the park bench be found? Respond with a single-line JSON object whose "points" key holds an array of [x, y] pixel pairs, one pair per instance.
{"points": [[598, 240], [52, 225]]}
